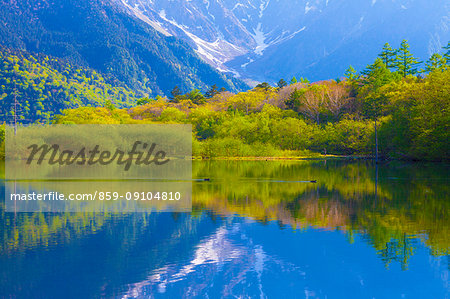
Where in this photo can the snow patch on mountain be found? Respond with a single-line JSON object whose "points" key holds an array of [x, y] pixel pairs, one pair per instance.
{"points": [[216, 53], [244, 65], [205, 23], [162, 13], [262, 8], [138, 13], [260, 38]]}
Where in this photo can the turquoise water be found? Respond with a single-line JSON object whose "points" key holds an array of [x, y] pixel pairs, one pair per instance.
{"points": [[257, 229]]}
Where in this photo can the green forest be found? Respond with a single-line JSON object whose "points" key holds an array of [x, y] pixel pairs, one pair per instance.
{"points": [[38, 86], [397, 100], [103, 37]]}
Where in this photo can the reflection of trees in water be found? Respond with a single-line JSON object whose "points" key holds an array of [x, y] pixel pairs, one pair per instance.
{"points": [[125, 249], [23, 231], [399, 250], [313, 210], [405, 203], [401, 207]]}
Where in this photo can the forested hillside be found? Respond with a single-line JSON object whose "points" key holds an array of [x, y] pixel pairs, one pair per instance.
{"points": [[38, 86], [103, 36], [394, 100], [409, 111]]}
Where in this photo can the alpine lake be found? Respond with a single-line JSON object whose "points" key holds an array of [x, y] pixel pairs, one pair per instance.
{"points": [[257, 229]]}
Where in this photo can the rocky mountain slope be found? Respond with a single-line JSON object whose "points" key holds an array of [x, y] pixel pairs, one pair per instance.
{"points": [[103, 36], [270, 39]]}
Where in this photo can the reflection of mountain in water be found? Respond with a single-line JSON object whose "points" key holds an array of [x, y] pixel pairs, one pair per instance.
{"points": [[405, 200], [242, 258], [223, 261], [230, 244]]}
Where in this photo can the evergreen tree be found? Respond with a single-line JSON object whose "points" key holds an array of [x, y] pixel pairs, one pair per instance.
{"points": [[388, 56], [406, 63], [294, 99], [175, 94], [447, 53], [376, 75], [211, 92], [109, 105], [196, 97], [304, 80], [282, 83], [352, 79], [264, 86], [144, 100], [351, 74], [435, 62]]}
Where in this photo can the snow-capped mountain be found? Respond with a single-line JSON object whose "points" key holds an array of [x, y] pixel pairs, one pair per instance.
{"points": [[103, 36], [270, 39]]}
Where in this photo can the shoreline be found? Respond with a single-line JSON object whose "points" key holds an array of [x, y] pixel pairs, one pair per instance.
{"points": [[321, 158], [298, 158], [304, 158]]}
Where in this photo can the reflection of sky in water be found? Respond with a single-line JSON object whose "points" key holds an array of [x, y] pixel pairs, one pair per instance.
{"points": [[245, 258], [228, 252], [253, 232]]}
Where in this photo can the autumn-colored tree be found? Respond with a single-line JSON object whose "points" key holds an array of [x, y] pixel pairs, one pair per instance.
{"points": [[312, 102], [337, 97]]}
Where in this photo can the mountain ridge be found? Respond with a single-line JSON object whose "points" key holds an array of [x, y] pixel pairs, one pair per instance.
{"points": [[266, 40], [103, 36]]}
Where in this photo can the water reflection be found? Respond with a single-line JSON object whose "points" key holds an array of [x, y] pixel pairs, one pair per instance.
{"points": [[257, 229]]}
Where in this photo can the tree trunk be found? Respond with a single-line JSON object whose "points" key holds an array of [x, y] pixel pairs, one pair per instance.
{"points": [[376, 142]]}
